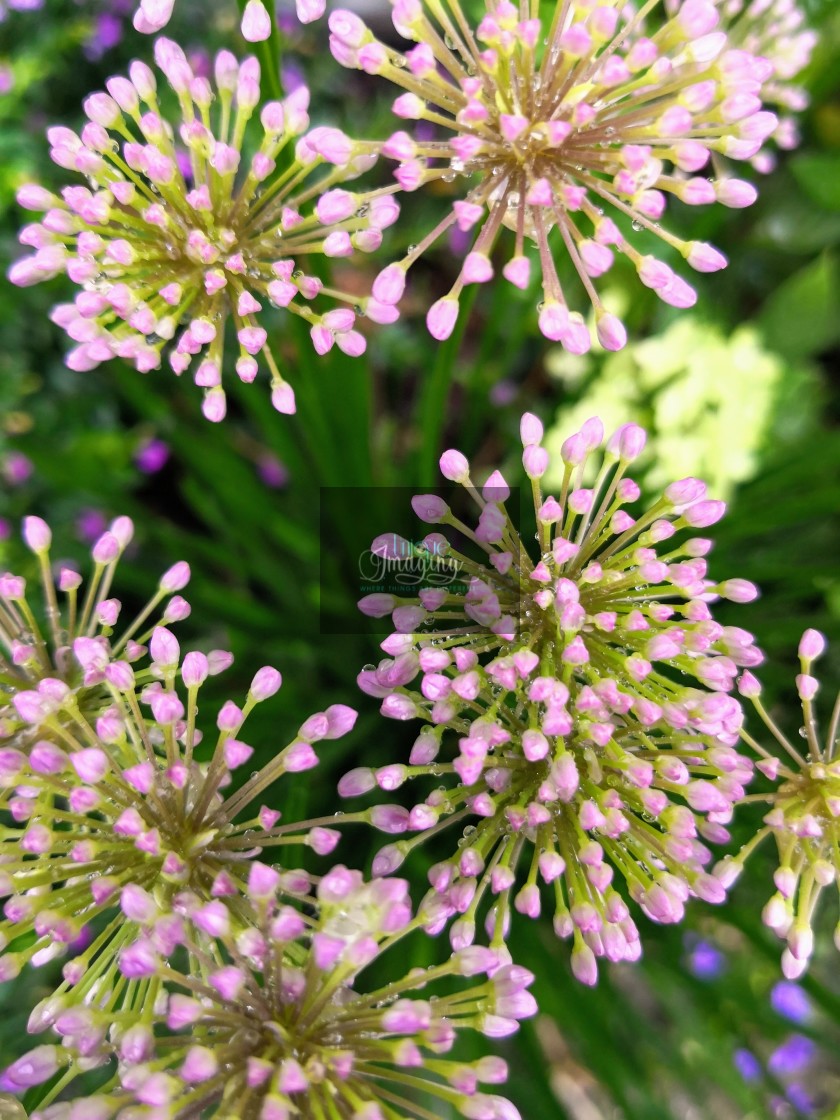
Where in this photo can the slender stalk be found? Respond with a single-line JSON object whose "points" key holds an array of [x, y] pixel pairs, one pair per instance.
{"points": [[434, 396], [270, 52]]}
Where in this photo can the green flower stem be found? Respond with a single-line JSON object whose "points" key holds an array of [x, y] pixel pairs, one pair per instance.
{"points": [[432, 406], [270, 53]]}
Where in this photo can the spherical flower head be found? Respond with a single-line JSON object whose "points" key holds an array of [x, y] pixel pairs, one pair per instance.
{"points": [[182, 237], [573, 136], [274, 1016], [588, 687], [116, 808], [776, 32], [803, 816]]}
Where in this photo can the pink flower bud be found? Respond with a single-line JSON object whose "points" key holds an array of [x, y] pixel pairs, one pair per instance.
{"points": [[32, 196], [553, 320], [430, 508], [702, 514], [262, 880], [102, 109], [218, 660], [807, 686], [309, 10], [36, 534], [195, 669], [166, 708], [164, 647], [176, 578], [138, 960], [389, 818], [265, 683], [534, 745], [705, 258], [283, 399], [389, 285], [530, 429], [358, 781], [377, 605], [182, 1012], [517, 271], [199, 1065], [738, 590], [228, 982], [535, 460], [149, 18], [256, 22], [627, 442], [340, 720], [137, 904], [32, 1069], [323, 840], [230, 717], [122, 529], [314, 728], [736, 193], [236, 753], [106, 550], [90, 764], [442, 317], [611, 332], [811, 645], [398, 707], [454, 466], [347, 27], [748, 685], [299, 756]]}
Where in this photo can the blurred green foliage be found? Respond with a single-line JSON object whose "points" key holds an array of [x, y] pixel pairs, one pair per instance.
{"points": [[744, 390]]}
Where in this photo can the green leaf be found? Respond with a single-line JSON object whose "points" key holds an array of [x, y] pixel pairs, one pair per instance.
{"points": [[802, 316], [818, 174], [434, 395]]}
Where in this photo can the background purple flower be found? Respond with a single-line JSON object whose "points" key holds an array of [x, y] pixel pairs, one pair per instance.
{"points": [[791, 1001], [151, 456], [793, 1056]]}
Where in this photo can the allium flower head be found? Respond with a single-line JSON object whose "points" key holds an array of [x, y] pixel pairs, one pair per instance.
{"points": [[775, 29], [804, 816], [268, 1024], [176, 231], [572, 133], [588, 687], [115, 807]]}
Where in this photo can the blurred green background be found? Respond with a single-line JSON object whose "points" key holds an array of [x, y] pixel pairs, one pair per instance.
{"points": [[744, 390]]}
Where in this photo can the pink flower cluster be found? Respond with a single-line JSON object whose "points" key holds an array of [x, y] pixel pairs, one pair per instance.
{"points": [[273, 1021], [572, 134], [775, 29], [803, 816], [176, 232], [582, 751], [115, 805]]}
